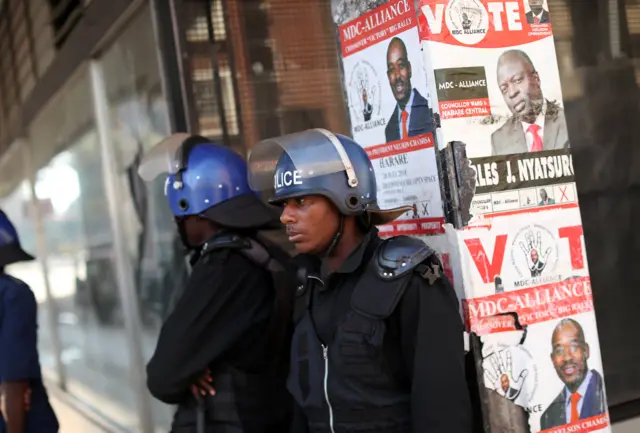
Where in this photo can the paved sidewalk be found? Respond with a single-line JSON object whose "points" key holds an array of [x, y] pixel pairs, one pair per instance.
{"points": [[72, 421], [73, 415]]}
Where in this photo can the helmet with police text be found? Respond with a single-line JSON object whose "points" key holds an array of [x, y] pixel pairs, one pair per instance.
{"points": [[318, 162], [206, 179], [10, 249]]}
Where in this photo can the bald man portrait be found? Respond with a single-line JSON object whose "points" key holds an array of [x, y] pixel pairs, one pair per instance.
{"points": [[536, 123], [583, 393], [412, 115], [537, 15]]}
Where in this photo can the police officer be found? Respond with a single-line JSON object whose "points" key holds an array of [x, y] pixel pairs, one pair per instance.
{"points": [[218, 356], [25, 404], [378, 341]]}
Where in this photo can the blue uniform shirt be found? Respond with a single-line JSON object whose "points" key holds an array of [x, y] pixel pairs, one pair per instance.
{"points": [[19, 359]]}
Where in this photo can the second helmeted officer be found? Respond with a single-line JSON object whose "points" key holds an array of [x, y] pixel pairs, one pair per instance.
{"points": [[378, 341], [222, 352]]}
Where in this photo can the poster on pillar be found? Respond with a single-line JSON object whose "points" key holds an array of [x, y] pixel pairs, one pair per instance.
{"points": [[494, 74], [387, 96], [528, 301]]}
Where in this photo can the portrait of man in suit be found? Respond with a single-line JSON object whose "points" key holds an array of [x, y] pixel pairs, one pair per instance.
{"points": [[538, 15], [411, 116], [368, 108], [544, 198], [536, 123], [583, 394]]}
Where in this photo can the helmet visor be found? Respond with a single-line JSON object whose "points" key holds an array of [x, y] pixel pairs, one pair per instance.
{"points": [[169, 156], [289, 159]]}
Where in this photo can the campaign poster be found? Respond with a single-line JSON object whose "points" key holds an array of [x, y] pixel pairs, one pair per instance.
{"points": [[522, 183], [495, 81], [387, 96], [529, 305]]}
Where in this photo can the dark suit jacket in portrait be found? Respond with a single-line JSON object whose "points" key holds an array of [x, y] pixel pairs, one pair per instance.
{"points": [[510, 138], [419, 120], [544, 18], [593, 405]]}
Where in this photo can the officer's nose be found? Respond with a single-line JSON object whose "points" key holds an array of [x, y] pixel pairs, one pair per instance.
{"points": [[287, 216]]}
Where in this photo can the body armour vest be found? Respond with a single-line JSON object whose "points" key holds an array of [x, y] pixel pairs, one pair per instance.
{"points": [[346, 385], [247, 401]]}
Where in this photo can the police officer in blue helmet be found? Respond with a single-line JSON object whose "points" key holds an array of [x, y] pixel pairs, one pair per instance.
{"points": [[25, 405], [378, 341], [222, 353]]}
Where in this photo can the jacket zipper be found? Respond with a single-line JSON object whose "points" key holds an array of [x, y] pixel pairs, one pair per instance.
{"points": [[325, 351]]}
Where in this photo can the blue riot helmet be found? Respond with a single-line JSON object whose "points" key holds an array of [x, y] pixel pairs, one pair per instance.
{"points": [[206, 179], [10, 249], [318, 162]]}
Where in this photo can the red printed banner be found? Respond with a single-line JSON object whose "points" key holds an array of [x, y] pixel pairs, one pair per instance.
{"points": [[533, 305], [465, 108], [583, 426], [479, 23], [417, 226], [401, 146], [380, 24]]}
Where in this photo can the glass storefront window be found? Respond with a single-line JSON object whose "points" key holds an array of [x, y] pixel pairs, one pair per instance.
{"points": [[139, 120], [80, 253]]}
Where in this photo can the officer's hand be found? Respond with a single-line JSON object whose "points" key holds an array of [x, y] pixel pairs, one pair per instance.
{"points": [[204, 385], [27, 400]]}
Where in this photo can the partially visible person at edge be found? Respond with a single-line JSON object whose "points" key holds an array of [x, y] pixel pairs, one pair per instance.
{"points": [[25, 404], [222, 352], [378, 340]]}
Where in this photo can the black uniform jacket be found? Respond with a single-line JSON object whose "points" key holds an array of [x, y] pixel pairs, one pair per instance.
{"points": [[424, 343]]}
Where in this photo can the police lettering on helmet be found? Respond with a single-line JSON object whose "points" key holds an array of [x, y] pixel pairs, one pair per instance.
{"points": [[319, 163]]}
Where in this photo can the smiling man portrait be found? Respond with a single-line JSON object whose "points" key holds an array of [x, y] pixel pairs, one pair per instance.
{"points": [[583, 393], [411, 116], [536, 123]]}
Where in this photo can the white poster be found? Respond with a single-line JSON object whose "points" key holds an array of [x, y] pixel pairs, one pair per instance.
{"points": [[390, 113]]}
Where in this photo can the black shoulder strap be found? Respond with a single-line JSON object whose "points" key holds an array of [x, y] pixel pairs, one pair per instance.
{"points": [[228, 240], [375, 297], [283, 286], [387, 276]]}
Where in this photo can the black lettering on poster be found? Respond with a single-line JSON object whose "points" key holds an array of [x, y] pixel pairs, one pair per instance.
{"points": [[523, 170], [459, 84]]}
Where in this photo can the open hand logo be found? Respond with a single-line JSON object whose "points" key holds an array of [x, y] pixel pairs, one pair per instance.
{"points": [[499, 370]]}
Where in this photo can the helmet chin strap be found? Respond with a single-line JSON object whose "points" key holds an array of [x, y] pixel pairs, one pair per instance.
{"points": [[336, 239]]}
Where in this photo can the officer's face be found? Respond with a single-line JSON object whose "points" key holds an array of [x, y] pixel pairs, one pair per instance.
{"points": [[195, 230], [534, 256], [311, 223], [570, 354]]}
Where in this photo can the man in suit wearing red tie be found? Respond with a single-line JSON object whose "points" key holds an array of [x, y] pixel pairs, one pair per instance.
{"points": [[536, 123], [538, 15], [583, 394], [412, 115]]}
